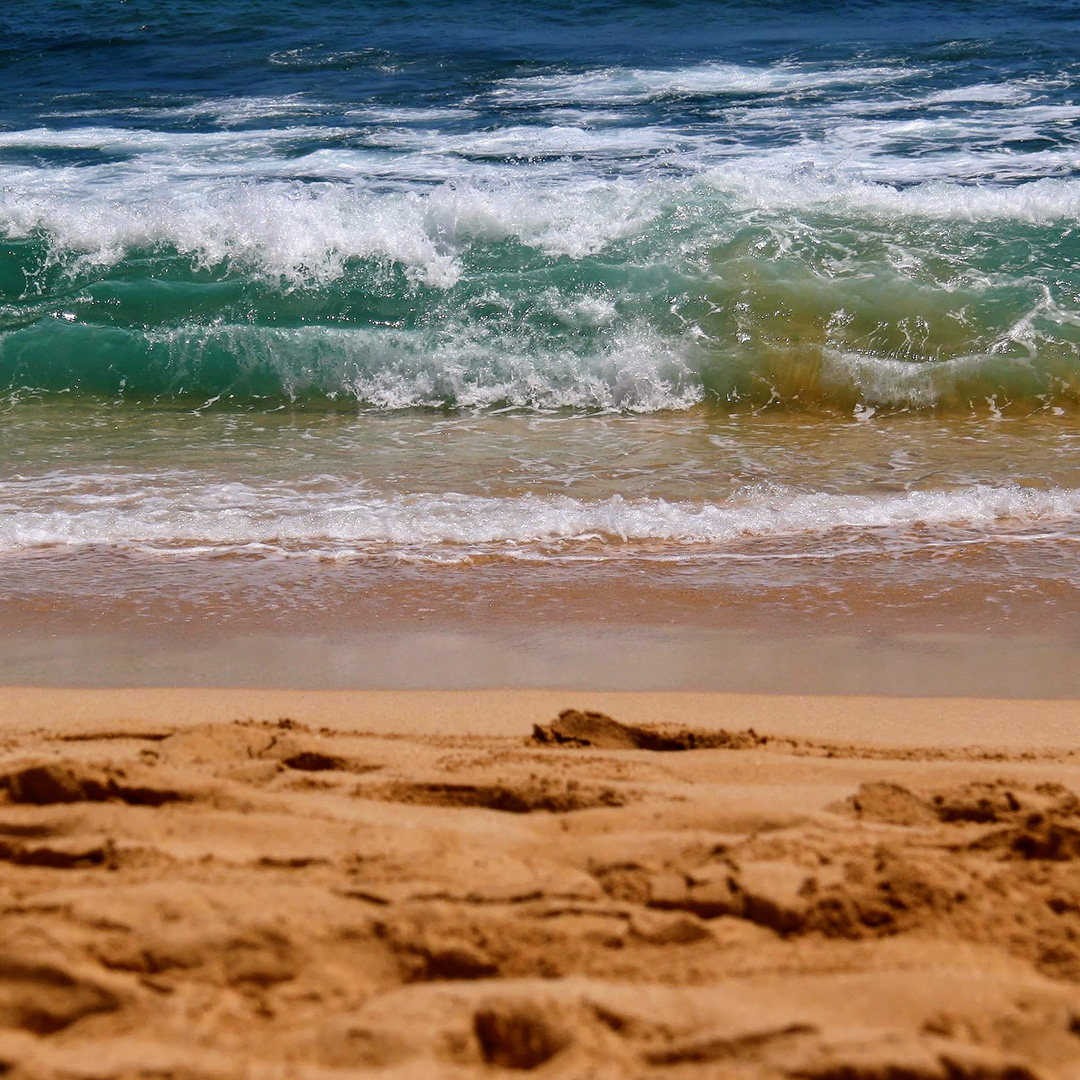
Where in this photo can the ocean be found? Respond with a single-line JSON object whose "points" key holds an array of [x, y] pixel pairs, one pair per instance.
{"points": [[352, 319]]}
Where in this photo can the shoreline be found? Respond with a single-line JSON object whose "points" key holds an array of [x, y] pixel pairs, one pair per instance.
{"points": [[574, 657]]}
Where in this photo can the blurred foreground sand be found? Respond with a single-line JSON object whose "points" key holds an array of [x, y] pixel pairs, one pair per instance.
{"points": [[227, 884]]}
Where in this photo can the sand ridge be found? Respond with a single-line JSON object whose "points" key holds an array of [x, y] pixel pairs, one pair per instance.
{"points": [[287, 899]]}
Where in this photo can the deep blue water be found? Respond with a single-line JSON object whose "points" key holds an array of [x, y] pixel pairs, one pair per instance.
{"points": [[342, 49]]}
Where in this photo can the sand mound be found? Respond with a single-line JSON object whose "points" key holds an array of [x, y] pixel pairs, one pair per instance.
{"points": [[979, 802], [43, 997], [601, 732], [69, 782], [554, 795]]}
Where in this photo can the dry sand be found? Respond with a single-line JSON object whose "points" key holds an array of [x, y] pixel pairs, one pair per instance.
{"points": [[220, 884]]}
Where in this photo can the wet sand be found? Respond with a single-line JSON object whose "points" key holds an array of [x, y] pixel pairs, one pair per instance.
{"points": [[241, 883], [478, 654]]}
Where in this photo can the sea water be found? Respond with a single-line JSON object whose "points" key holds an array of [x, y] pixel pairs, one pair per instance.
{"points": [[661, 312]]}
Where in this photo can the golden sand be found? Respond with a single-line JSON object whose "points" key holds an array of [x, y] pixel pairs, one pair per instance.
{"points": [[239, 884]]}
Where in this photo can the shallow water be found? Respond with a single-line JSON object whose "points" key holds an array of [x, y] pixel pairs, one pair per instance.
{"points": [[908, 522]]}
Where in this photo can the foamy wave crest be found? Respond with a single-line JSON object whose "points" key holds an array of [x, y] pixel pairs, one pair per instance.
{"points": [[805, 187], [629, 368], [619, 85], [168, 516], [306, 234]]}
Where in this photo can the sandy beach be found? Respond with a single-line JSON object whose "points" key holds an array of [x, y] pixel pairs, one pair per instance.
{"points": [[540, 539], [215, 883]]}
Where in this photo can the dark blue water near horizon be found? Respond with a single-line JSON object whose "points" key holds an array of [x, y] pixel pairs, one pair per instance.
{"points": [[138, 46]]}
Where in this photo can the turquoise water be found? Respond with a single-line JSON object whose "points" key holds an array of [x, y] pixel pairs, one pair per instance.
{"points": [[632, 207]]}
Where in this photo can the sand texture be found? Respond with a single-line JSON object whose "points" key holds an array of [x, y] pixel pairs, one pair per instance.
{"points": [[577, 896]]}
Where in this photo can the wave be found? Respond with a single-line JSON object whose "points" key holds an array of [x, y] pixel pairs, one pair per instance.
{"points": [[183, 514], [463, 366], [306, 233], [606, 295], [628, 368], [621, 85]]}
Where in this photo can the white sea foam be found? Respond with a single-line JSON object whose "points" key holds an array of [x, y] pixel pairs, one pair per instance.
{"points": [[889, 131], [170, 511], [617, 85], [630, 368], [411, 114], [306, 233], [993, 93], [808, 188], [225, 111], [175, 146], [525, 141]]}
